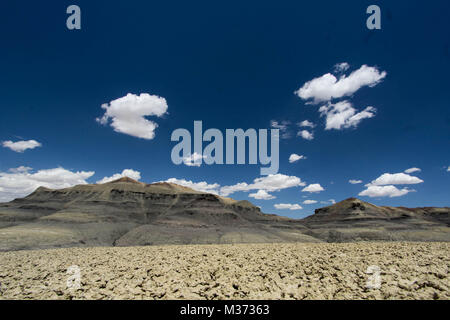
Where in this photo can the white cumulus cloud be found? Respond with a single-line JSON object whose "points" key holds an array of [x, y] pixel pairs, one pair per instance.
{"points": [[306, 123], [343, 115], [309, 201], [130, 173], [384, 191], [288, 206], [315, 187], [21, 146], [15, 184], [394, 178], [355, 181], [412, 170], [305, 134], [270, 183], [202, 186], [261, 195], [328, 87], [295, 157], [194, 160], [128, 114]]}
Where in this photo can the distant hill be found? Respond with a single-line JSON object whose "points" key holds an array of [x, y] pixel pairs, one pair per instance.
{"points": [[126, 212], [355, 209], [354, 219]]}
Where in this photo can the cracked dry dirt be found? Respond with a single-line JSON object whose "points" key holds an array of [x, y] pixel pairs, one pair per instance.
{"points": [[244, 271]]}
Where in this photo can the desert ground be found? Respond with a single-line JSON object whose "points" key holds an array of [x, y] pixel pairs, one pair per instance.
{"points": [[407, 270]]}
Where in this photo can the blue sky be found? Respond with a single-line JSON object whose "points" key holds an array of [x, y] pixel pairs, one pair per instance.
{"points": [[231, 65]]}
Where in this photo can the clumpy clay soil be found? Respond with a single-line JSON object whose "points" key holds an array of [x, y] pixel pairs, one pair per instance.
{"points": [[244, 271]]}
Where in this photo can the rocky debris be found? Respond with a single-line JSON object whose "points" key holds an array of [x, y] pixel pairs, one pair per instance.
{"points": [[244, 271]]}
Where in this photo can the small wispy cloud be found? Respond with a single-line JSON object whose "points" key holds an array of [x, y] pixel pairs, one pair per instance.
{"points": [[315, 187], [341, 67], [412, 170], [21, 146], [288, 206], [283, 126], [295, 157], [305, 134], [306, 123]]}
